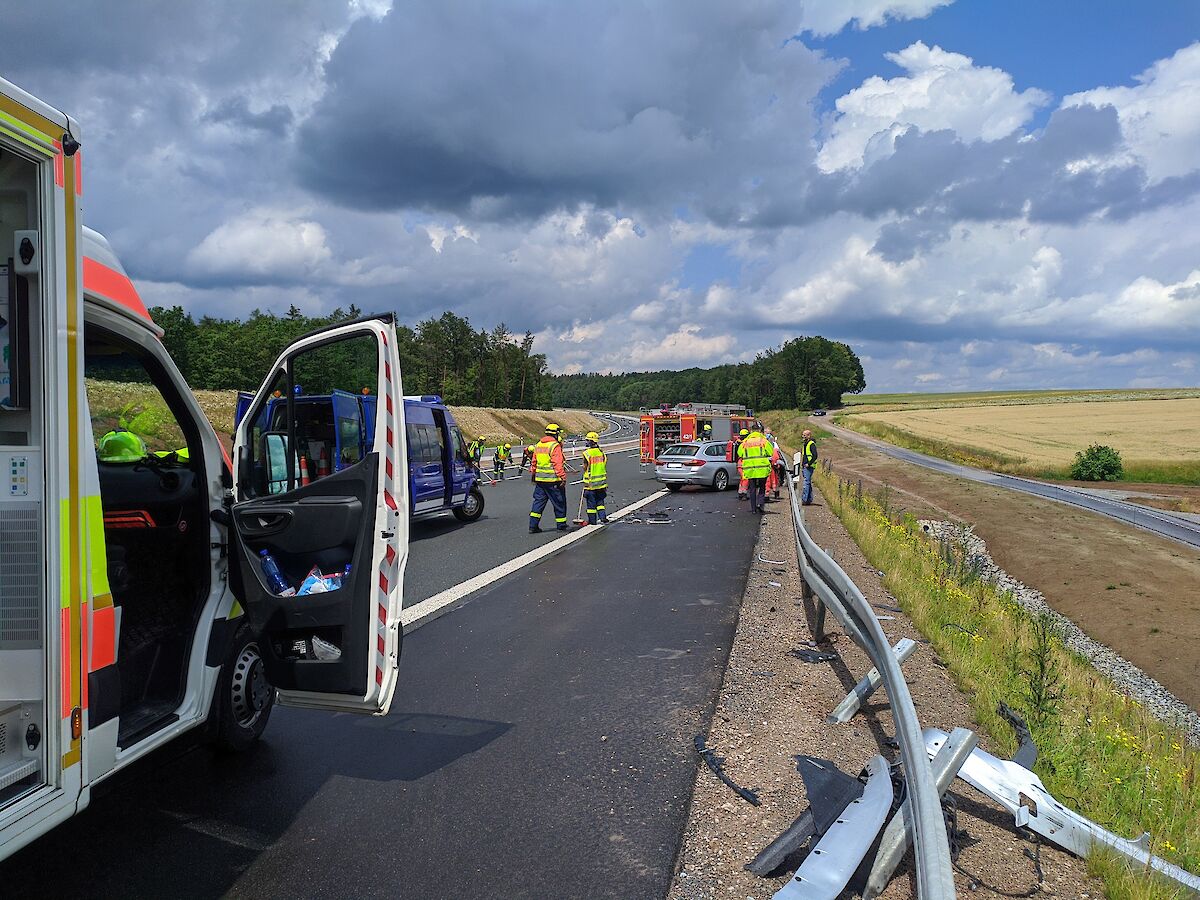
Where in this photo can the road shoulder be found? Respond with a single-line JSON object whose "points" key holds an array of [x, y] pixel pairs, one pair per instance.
{"points": [[772, 706]]}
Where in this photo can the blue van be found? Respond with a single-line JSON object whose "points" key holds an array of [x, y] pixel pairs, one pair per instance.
{"points": [[341, 428]]}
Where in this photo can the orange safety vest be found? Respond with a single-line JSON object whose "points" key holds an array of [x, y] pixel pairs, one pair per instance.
{"points": [[548, 461]]}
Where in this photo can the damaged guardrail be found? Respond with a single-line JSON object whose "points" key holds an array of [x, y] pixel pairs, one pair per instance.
{"points": [[836, 592]]}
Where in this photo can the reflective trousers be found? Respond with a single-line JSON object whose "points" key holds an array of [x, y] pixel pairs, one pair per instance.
{"points": [[595, 505], [556, 494]]}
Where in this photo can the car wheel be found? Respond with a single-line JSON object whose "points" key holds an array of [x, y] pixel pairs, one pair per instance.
{"points": [[244, 694], [720, 480], [674, 487], [472, 509]]}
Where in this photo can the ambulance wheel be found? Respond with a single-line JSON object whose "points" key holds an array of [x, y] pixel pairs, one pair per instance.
{"points": [[720, 480], [245, 695], [472, 509]]}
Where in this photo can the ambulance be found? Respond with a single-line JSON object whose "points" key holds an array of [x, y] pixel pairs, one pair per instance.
{"points": [[148, 581]]}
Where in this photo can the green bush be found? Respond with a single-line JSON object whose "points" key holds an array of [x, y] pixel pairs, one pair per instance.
{"points": [[1097, 463]]}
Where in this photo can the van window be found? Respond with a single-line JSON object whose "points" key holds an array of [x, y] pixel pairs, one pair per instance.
{"points": [[122, 397], [459, 445], [434, 444]]}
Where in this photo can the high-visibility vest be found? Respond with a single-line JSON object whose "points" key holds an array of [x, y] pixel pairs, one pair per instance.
{"points": [[755, 454], [595, 472], [502, 454], [810, 452], [543, 460]]}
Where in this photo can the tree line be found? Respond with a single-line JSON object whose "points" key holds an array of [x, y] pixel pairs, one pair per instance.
{"points": [[803, 373], [467, 366], [444, 355]]}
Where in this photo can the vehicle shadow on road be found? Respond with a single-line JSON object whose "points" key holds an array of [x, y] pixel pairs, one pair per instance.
{"points": [[193, 824]]}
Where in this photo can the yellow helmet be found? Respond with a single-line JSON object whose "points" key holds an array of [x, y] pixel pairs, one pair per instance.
{"points": [[592, 436], [508, 446], [743, 433], [553, 429]]}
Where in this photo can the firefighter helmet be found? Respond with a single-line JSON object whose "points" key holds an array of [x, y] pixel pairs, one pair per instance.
{"points": [[744, 433], [592, 436], [121, 447], [553, 429]]}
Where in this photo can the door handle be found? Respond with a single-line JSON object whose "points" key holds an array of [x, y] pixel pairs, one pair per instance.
{"points": [[255, 523]]}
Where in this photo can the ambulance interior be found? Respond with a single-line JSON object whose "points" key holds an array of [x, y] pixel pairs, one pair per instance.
{"points": [[24, 675], [155, 531]]}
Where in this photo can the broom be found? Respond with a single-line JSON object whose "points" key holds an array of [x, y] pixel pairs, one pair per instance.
{"points": [[579, 519]]}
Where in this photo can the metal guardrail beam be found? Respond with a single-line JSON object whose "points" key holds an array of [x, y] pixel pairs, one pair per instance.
{"points": [[935, 879]]}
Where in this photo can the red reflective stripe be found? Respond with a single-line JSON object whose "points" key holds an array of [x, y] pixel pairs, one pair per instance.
{"points": [[84, 645], [104, 646], [99, 279]]}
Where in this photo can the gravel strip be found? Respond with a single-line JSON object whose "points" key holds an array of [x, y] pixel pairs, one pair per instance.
{"points": [[1129, 679], [773, 706]]}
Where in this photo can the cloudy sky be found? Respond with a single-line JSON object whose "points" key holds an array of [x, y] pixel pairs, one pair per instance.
{"points": [[974, 195]]}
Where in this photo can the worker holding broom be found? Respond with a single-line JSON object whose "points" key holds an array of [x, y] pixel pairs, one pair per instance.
{"points": [[549, 481], [595, 480]]}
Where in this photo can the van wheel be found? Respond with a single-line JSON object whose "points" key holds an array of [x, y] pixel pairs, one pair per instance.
{"points": [[244, 694], [720, 480], [472, 509]]}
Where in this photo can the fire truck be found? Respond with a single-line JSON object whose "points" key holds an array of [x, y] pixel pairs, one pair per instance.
{"points": [[685, 422]]}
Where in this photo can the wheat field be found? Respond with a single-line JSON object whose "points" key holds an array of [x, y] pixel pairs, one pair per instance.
{"points": [[1051, 433]]}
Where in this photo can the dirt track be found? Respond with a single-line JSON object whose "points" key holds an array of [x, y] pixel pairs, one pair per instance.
{"points": [[1135, 592]]}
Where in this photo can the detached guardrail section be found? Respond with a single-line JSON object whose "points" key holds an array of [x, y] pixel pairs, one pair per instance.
{"points": [[921, 812]]}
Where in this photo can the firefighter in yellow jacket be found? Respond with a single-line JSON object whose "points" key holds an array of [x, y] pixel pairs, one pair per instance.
{"points": [[549, 481], [755, 454], [595, 480]]}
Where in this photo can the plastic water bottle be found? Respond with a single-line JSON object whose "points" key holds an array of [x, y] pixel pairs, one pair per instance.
{"points": [[274, 577]]}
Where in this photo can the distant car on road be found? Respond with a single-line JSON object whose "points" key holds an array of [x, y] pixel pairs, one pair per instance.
{"points": [[818, 412], [701, 463]]}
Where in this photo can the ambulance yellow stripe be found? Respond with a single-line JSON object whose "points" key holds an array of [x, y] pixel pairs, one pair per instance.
{"points": [[28, 124]]}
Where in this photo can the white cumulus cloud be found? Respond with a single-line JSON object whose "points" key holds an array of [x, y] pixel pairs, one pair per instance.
{"points": [[262, 243], [1160, 115], [941, 90], [824, 17]]}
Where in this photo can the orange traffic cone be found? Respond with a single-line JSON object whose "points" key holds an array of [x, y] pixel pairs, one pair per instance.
{"points": [[322, 464], [304, 479]]}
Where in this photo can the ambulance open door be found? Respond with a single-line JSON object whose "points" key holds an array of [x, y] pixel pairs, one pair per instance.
{"points": [[322, 563]]}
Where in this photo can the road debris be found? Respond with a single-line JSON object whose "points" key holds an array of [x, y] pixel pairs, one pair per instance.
{"points": [[717, 764]]}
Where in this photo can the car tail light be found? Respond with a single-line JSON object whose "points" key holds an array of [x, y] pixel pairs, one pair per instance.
{"points": [[694, 462]]}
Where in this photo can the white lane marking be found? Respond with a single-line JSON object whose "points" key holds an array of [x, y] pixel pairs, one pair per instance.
{"points": [[427, 610]]}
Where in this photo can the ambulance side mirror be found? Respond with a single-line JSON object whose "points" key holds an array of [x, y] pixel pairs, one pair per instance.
{"points": [[274, 456]]}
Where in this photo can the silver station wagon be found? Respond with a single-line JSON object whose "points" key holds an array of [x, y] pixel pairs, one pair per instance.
{"points": [[701, 463]]}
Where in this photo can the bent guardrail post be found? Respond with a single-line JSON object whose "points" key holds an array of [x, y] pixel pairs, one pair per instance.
{"points": [[898, 834], [844, 711], [935, 880], [826, 869], [1022, 793]]}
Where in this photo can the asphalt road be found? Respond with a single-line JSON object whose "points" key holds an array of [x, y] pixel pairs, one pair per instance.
{"points": [[443, 551], [1161, 523], [539, 746]]}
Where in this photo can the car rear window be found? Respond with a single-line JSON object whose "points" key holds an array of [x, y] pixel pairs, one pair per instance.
{"points": [[679, 450]]}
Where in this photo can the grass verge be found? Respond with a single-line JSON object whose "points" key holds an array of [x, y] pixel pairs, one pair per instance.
{"points": [[1136, 471], [1100, 752]]}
